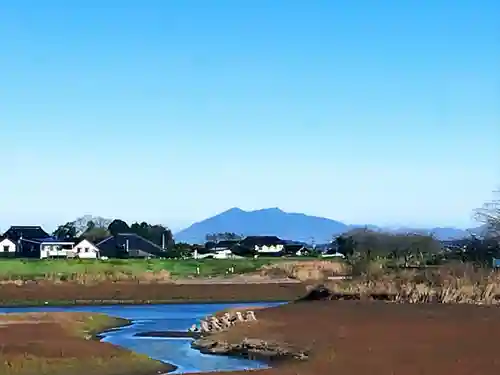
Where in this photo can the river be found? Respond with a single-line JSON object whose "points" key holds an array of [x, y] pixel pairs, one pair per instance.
{"points": [[170, 317]]}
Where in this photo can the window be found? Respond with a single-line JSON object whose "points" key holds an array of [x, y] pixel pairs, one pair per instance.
{"points": [[78, 249], [86, 249], [6, 248]]}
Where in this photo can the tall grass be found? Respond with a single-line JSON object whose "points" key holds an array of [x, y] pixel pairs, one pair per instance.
{"points": [[310, 270], [453, 283]]}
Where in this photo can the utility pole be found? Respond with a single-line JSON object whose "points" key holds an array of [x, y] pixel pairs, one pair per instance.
{"points": [[313, 243]]}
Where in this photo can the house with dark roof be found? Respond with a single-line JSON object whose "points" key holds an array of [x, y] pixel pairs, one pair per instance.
{"points": [[225, 245], [34, 242], [264, 245], [16, 232], [217, 250], [129, 245], [295, 249]]}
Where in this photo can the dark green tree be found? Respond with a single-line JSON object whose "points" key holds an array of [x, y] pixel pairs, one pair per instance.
{"points": [[157, 234], [65, 232], [95, 234], [118, 226], [223, 236]]}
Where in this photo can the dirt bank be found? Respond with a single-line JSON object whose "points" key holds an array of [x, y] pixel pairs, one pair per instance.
{"points": [[61, 344], [352, 337], [126, 292]]}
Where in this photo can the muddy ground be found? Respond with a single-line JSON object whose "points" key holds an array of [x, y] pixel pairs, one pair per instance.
{"points": [[53, 344], [127, 292], [377, 338]]}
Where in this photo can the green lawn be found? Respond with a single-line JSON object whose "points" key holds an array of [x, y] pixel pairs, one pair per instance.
{"points": [[36, 269]]}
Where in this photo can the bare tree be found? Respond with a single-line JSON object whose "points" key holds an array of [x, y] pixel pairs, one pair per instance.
{"points": [[489, 215]]}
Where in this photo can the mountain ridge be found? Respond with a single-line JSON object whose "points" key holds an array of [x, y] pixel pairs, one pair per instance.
{"points": [[293, 226]]}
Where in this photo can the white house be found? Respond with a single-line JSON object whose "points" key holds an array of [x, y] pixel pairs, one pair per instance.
{"points": [[272, 248], [220, 254], [86, 250], [50, 247], [7, 247], [333, 255]]}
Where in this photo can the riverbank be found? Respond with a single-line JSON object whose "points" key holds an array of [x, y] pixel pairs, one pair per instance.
{"points": [[64, 294], [63, 343], [353, 337]]}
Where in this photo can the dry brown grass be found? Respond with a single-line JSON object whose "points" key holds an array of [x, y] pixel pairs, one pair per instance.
{"points": [[447, 284], [146, 277], [306, 271]]}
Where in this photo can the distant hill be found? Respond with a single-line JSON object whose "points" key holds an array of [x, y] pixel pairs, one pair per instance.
{"points": [[290, 226]]}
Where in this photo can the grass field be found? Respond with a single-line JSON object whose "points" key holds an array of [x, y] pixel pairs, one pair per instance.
{"points": [[122, 270]]}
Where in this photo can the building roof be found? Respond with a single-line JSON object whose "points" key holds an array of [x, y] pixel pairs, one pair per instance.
{"points": [[294, 247], [46, 240], [226, 244], [118, 242], [261, 241], [85, 241], [209, 245], [14, 233]]}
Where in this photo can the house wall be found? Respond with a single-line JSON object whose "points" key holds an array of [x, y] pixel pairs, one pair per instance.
{"points": [[29, 249], [7, 245], [7, 248], [86, 250], [223, 254], [269, 249], [49, 250]]}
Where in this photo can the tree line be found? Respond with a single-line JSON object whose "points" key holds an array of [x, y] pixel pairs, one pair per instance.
{"points": [[402, 249], [223, 236], [95, 231]]}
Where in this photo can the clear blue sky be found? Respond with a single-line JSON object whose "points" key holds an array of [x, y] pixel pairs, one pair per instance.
{"points": [[171, 111]]}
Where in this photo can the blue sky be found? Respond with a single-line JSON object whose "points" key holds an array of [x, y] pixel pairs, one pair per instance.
{"points": [[172, 111]]}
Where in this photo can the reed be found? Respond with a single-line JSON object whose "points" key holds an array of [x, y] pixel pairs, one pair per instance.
{"points": [[306, 271], [447, 284]]}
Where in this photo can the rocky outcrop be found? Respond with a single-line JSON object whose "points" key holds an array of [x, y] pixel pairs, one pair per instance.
{"points": [[249, 348]]}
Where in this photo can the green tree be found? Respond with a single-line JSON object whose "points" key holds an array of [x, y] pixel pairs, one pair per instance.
{"points": [[158, 234], [65, 232], [223, 236], [344, 245], [95, 234], [118, 226], [401, 248], [180, 250]]}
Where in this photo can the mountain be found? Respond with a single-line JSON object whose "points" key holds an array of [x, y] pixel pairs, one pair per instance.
{"points": [[286, 225], [269, 221]]}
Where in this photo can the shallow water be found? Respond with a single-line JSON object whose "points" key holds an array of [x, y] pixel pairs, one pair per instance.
{"points": [[178, 317]]}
